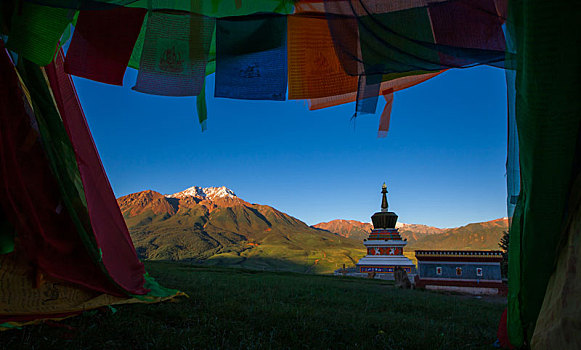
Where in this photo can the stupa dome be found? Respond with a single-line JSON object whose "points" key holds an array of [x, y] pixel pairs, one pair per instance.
{"points": [[384, 219]]}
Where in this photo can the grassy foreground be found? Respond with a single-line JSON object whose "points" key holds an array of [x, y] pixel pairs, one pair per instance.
{"points": [[244, 309]]}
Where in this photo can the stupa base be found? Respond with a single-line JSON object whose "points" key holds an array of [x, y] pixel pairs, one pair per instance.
{"points": [[377, 276]]}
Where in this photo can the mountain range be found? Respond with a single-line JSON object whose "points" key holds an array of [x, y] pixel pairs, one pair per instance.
{"points": [[214, 226], [474, 236], [360, 230]]}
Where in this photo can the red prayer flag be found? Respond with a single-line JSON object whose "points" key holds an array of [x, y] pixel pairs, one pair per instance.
{"points": [[103, 42], [386, 115], [111, 233]]}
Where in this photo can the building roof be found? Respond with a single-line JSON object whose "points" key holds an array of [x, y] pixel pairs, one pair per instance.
{"points": [[459, 255]]}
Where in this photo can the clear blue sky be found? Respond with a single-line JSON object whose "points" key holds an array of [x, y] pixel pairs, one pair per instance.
{"points": [[443, 159]]}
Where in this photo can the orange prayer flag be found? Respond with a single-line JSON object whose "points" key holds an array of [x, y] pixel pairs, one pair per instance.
{"points": [[386, 86], [314, 70]]}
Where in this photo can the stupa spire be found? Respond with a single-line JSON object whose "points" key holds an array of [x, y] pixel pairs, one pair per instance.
{"points": [[384, 204]]}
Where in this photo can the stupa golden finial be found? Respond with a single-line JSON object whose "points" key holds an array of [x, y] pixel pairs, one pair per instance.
{"points": [[384, 199]]}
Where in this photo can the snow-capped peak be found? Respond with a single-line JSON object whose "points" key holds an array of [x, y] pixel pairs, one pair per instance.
{"points": [[204, 193], [218, 192]]}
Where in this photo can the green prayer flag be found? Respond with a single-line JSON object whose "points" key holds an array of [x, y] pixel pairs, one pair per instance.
{"points": [[202, 108], [36, 31]]}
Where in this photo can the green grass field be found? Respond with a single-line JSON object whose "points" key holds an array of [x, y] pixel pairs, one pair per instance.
{"points": [[231, 308], [233, 241]]}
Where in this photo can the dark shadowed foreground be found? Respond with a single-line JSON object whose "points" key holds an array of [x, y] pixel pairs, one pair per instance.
{"points": [[244, 309]]}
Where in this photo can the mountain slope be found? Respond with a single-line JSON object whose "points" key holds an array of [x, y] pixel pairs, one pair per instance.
{"points": [[476, 236], [353, 229], [215, 226], [414, 232]]}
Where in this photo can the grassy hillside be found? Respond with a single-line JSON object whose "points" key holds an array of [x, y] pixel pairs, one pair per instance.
{"points": [[232, 232], [243, 309], [184, 237]]}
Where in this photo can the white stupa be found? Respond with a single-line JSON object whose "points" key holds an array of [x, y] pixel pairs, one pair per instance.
{"points": [[385, 245]]}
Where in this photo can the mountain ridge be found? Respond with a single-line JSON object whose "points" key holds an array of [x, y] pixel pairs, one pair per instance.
{"points": [[226, 230], [478, 235], [360, 230]]}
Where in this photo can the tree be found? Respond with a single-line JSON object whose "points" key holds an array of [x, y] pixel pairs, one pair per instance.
{"points": [[503, 244]]}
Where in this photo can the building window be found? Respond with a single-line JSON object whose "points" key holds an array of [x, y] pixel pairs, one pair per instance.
{"points": [[439, 270], [458, 271], [479, 271]]}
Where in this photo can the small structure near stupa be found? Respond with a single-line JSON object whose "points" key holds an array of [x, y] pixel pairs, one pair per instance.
{"points": [[461, 271], [384, 247]]}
